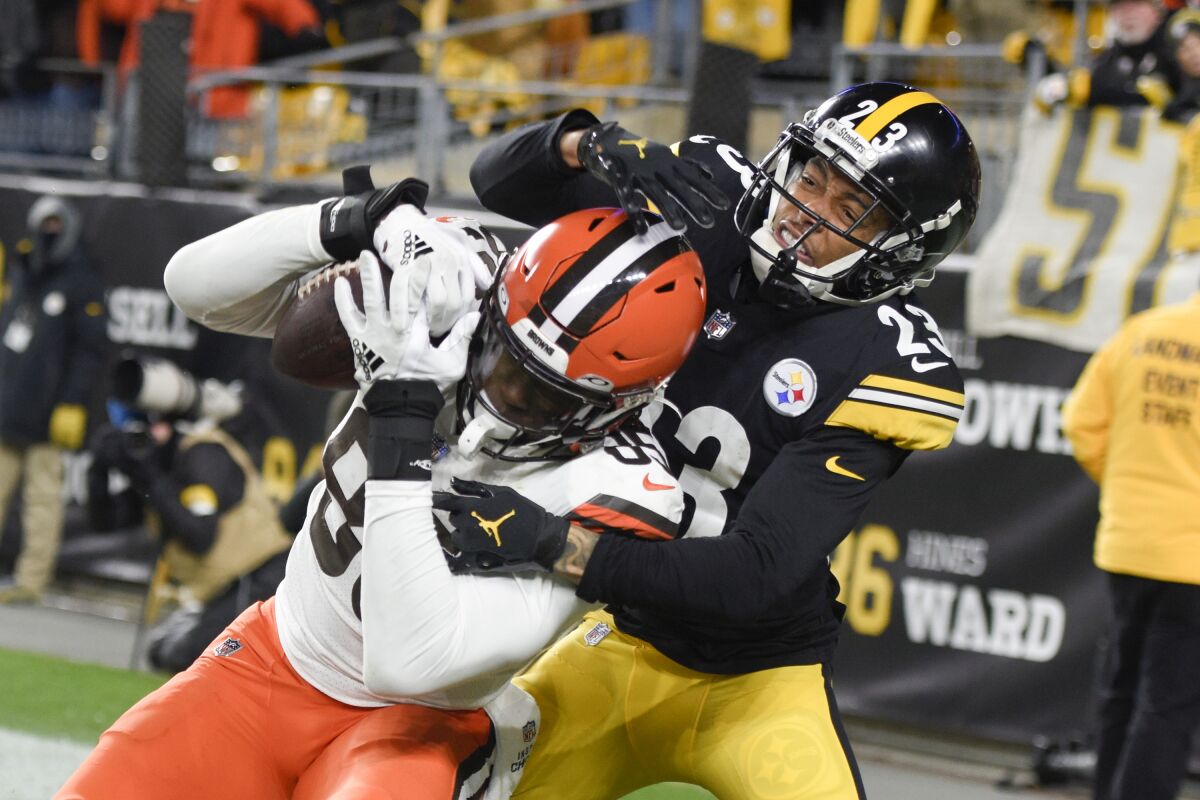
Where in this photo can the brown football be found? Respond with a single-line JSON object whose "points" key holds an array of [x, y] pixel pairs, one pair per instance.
{"points": [[310, 343]]}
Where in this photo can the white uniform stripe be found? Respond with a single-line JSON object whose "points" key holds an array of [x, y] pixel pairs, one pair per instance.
{"points": [[550, 330], [906, 401], [608, 269]]}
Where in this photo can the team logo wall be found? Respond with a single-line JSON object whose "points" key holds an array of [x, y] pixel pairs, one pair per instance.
{"points": [[790, 387]]}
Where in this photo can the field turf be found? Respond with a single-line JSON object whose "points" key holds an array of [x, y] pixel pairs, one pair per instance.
{"points": [[63, 699]]}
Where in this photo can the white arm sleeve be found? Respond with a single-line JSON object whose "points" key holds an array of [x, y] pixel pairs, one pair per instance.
{"points": [[241, 279], [425, 629]]}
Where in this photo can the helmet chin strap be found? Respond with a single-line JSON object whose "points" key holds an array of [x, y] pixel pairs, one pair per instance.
{"points": [[483, 426]]}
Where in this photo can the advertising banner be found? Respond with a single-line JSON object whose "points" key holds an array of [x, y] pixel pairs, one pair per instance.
{"points": [[1086, 232], [972, 602]]}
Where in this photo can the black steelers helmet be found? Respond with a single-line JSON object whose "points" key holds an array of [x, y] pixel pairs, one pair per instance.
{"points": [[917, 166]]}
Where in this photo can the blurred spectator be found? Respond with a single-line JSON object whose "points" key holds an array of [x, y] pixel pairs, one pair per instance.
{"points": [[1138, 68], [101, 26], [1184, 30], [51, 352], [223, 546], [225, 35], [1134, 423]]}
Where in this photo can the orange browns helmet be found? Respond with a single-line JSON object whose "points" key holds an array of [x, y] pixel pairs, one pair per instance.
{"points": [[582, 327]]}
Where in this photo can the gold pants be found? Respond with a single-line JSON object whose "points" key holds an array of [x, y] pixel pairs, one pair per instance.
{"points": [[618, 715], [41, 465]]}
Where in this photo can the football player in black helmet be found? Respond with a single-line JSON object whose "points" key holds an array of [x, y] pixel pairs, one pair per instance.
{"points": [[818, 374], [905, 178]]}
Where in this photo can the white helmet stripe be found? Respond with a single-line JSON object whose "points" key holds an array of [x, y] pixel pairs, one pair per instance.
{"points": [[607, 270]]}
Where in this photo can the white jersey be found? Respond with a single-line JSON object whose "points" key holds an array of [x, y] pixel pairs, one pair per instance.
{"points": [[468, 634], [368, 612]]}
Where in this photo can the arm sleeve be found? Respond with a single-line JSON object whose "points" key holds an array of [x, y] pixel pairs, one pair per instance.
{"points": [[522, 174], [241, 279], [793, 518], [204, 484], [424, 629], [1087, 413]]}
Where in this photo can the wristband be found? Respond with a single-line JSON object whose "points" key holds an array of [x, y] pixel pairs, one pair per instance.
{"points": [[400, 429]]}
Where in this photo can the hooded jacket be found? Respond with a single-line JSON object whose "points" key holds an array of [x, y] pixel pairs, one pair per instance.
{"points": [[53, 336]]}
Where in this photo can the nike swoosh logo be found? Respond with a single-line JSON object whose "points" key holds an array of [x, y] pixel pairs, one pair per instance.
{"points": [[925, 366], [651, 486], [837, 469]]}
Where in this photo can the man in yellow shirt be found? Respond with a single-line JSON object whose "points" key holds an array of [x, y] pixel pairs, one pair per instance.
{"points": [[1134, 421]]}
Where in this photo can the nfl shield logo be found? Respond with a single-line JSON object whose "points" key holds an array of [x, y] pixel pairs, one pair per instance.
{"points": [[528, 731], [227, 647], [596, 634], [719, 324]]}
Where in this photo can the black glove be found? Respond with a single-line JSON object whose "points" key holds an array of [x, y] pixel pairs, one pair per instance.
{"points": [[640, 170], [498, 530], [348, 223]]}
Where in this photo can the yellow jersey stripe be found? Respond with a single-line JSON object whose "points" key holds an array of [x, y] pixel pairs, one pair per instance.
{"points": [[912, 387], [907, 428], [881, 117]]}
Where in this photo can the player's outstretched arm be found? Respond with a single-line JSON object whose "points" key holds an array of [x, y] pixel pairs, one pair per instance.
{"points": [[242, 278], [522, 174], [793, 519]]}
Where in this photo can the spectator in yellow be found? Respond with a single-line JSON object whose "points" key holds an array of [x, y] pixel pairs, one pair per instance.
{"points": [[52, 345], [1134, 421]]}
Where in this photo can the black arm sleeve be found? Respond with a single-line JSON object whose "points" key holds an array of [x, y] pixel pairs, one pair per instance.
{"points": [[792, 519], [205, 464], [522, 175]]}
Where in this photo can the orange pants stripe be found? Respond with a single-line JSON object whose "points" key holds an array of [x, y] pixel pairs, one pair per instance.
{"points": [[246, 725]]}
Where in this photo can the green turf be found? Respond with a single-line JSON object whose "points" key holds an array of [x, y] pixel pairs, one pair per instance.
{"points": [[52, 697]]}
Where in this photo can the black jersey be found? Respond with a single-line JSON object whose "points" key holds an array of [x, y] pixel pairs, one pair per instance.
{"points": [[780, 425]]}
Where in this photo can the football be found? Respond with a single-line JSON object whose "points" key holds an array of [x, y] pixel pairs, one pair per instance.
{"points": [[310, 344]]}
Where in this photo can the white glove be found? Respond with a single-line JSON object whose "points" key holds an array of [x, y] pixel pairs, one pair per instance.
{"points": [[1051, 90], [444, 268], [392, 342]]}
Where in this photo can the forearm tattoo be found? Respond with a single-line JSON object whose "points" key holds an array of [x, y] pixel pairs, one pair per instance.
{"points": [[580, 544]]}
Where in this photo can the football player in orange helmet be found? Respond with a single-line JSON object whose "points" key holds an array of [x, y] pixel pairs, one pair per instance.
{"points": [[371, 647], [581, 329]]}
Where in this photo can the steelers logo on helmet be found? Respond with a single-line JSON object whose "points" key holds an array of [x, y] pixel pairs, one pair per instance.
{"points": [[861, 199], [582, 327]]}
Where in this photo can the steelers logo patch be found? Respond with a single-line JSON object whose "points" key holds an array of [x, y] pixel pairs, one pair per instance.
{"points": [[790, 387]]}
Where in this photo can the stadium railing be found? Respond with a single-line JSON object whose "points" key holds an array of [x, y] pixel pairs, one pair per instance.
{"points": [[311, 115]]}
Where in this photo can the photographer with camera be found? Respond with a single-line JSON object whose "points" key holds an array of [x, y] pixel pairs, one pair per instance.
{"points": [[52, 347], [222, 543]]}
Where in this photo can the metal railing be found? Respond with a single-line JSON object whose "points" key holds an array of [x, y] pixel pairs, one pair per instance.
{"points": [[307, 120]]}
